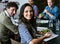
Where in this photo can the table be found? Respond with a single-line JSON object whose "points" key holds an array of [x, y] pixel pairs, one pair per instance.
{"points": [[44, 24]]}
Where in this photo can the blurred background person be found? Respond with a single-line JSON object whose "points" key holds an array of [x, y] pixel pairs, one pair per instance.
{"points": [[35, 8], [51, 10]]}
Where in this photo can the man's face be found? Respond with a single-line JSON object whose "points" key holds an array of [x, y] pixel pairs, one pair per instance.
{"points": [[31, 2], [50, 3], [12, 11]]}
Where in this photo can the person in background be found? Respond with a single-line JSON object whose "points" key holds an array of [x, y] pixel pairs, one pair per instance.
{"points": [[51, 13], [51, 10], [7, 28], [35, 8], [27, 26]]}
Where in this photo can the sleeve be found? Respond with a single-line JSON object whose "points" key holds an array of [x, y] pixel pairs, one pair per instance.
{"points": [[36, 10], [45, 8], [56, 13], [7, 23], [23, 31]]}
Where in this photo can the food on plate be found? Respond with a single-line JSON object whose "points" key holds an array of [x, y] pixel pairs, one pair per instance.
{"points": [[44, 31]]}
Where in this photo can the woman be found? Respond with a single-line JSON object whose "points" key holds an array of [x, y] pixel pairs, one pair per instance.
{"points": [[27, 27]]}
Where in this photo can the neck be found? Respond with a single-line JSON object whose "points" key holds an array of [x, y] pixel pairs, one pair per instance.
{"points": [[51, 7]]}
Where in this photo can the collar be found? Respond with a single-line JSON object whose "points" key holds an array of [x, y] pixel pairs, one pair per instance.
{"points": [[7, 13], [52, 7]]}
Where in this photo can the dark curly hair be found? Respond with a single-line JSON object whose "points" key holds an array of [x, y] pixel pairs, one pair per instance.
{"points": [[11, 4]]}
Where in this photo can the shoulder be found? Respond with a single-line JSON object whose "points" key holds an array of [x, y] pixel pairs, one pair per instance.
{"points": [[2, 13], [56, 7], [3, 17], [22, 28], [34, 6], [21, 25], [46, 7]]}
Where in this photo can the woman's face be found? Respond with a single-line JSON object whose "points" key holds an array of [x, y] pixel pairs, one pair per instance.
{"points": [[28, 12]]}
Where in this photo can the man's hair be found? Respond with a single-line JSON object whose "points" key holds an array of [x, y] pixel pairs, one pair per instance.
{"points": [[52, 0], [12, 4]]}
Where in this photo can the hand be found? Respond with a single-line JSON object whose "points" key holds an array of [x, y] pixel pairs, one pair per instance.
{"points": [[45, 11], [41, 15], [16, 36], [48, 34]]}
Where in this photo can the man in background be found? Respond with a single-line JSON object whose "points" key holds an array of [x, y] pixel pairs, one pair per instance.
{"points": [[51, 13], [35, 8]]}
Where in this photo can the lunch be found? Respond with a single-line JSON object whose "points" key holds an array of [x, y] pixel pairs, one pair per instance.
{"points": [[44, 31]]}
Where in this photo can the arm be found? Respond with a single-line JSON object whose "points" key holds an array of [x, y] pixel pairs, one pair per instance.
{"points": [[46, 11], [54, 11], [40, 39], [36, 10], [23, 31], [7, 23], [26, 35], [37, 40]]}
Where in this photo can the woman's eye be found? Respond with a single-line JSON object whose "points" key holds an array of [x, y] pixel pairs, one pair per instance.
{"points": [[31, 11], [26, 11]]}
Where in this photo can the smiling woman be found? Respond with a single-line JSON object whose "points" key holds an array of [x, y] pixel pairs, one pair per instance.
{"points": [[27, 26], [28, 13]]}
